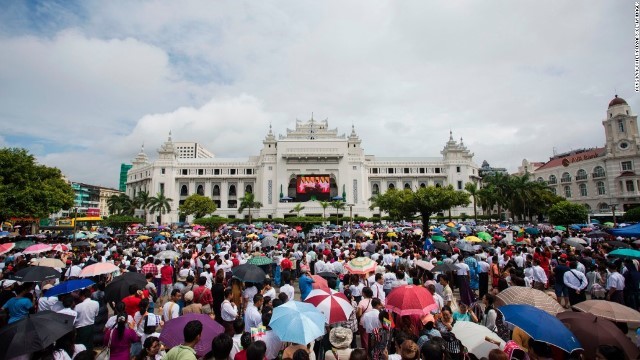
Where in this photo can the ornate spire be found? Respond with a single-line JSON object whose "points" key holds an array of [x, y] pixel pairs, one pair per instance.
{"points": [[450, 135], [461, 142], [169, 140]]}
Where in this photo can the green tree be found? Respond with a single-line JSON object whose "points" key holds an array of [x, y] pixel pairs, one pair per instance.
{"points": [[632, 215], [160, 204], [198, 206], [121, 221], [248, 201], [28, 189], [121, 204], [296, 209], [142, 201], [211, 222], [339, 205], [431, 200], [324, 205], [567, 213], [472, 189], [398, 203]]}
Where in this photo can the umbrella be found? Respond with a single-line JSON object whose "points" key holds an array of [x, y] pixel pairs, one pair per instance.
{"points": [[23, 244], [541, 326], [5, 248], [173, 332], [484, 236], [167, 254], [36, 274], [249, 273], [618, 244], [473, 337], [561, 228], [68, 287], [629, 253], [609, 310], [392, 234], [464, 246], [37, 249], [269, 241], [472, 239], [609, 224], [118, 289], [593, 332], [575, 244], [410, 300], [167, 234], [424, 264], [528, 296], [260, 260], [361, 265], [80, 244], [444, 267], [297, 322], [532, 231], [319, 282], [438, 238], [98, 269], [334, 305], [252, 236], [576, 240], [143, 237], [597, 234], [59, 247], [328, 275], [33, 333], [442, 246], [51, 262]]}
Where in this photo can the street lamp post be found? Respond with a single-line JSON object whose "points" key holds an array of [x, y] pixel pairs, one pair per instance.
{"points": [[75, 223], [350, 216], [613, 212]]}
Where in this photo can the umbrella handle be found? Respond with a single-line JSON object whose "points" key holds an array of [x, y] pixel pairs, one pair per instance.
{"points": [[488, 339]]}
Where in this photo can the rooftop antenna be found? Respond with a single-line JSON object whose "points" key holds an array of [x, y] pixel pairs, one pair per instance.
{"points": [[555, 152]]}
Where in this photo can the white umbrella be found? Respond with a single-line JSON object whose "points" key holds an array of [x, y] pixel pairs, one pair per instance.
{"points": [[473, 337]]}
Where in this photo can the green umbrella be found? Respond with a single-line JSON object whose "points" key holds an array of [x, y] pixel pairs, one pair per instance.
{"points": [[484, 236], [628, 253], [609, 224], [438, 238], [23, 244], [260, 260], [561, 228], [532, 231]]}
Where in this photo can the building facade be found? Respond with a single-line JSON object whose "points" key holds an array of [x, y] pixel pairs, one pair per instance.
{"points": [[602, 178], [308, 164], [124, 169], [192, 150]]}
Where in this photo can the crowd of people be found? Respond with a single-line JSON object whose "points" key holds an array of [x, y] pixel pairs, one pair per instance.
{"points": [[199, 279]]}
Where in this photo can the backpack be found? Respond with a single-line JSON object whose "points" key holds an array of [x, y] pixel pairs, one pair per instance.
{"points": [[148, 329]]}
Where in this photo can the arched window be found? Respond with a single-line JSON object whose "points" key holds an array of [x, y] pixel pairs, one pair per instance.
{"points": [[184, 190], [598, 171], [407, 186], [583, 189], [567, 191], [438, 185], [601, 188], [540, 179], [565, 177], [248, 189], [216, 190], [375, 189], [232, 190], [603, 207], [587, 206], [553, 190], [552, 179], [581, 175], [423, 185], [200, 190], [391, 186]]}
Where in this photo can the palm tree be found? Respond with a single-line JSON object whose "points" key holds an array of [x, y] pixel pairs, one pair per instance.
{"points": [[472, 189], [339, 205], [325, 205], [142, 201], [296, 209], [160, 204], [113, 203], [248, 201]]}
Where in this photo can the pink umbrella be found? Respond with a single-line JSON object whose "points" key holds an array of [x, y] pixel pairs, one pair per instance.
{"points": [[98, 269], [5, 248], [319, 282], [60, 247], [334, 305], [37, 249], [196, 227]]}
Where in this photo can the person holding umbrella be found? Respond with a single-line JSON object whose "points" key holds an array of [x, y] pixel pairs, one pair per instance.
{"points": [[192, 333]]}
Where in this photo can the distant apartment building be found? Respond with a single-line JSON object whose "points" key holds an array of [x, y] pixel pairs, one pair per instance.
{"points": [[192, 150]]}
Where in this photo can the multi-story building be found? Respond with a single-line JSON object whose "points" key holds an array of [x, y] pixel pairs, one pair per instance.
{"points": [[310, 163], [124, 169], [602, 178], [105, 194], [192, 150], [488, 170]]}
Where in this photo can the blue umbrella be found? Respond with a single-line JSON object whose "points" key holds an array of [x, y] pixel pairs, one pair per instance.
{"points": [[297, 322], [629, 253], [541, 326], [68, 287]]}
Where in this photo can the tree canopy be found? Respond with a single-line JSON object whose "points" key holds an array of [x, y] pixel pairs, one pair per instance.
{"points": [[198, 206], [211, 222], [28, 189], [632, 215], [567, 213], [248, 201]]}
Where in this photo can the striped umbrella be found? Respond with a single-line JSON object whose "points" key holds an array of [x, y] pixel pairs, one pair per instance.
{"points": [[361, 265], [333, 304], [260, 260]]}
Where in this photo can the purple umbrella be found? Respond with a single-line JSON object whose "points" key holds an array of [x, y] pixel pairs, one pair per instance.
{"points": [[172, 332]]}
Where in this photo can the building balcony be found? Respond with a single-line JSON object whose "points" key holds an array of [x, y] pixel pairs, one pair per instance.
{"points": [[598, 176], [552, 182], [581, 177], [565, 180]]}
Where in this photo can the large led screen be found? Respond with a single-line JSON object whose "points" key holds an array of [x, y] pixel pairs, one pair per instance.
{"points": [[312, 184]]}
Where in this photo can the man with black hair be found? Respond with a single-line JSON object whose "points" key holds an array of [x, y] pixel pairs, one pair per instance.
{"points": [[192, 333], [221, 346], [238, 330], [87, 311], [171, 309], [272, 341], [253, 317]]}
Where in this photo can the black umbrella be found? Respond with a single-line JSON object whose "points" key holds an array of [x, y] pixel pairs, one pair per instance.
{"points": [[80, 243], [249, 273], [464, 246], [328, 275], [443, 268], [33, 333], [371, 248], [597, 234], [36, 274], [442, 246], [618, 244], [118, 289]]}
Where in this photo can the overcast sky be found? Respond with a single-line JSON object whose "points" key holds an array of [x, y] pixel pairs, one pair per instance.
{"points": [[84, 84]]}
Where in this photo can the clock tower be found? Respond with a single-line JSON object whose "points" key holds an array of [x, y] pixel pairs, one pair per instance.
{"points": [[621, 129]]}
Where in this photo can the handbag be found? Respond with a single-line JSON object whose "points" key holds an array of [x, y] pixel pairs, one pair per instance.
{"points": [[206, 309], [105, 354]]}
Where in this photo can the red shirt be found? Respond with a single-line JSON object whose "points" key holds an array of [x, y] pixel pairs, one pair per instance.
{"points": [[166, 275], [202, 295], [150, 269], [131, 303], [286, 264]]}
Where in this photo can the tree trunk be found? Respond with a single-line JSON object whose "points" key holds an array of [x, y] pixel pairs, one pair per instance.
{"points": [[249, 216], [475, 211], [425, 223]]}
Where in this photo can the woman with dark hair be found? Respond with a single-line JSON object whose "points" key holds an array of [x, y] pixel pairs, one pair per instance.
{"points": [[113, 320], [352, 321], [65, 349], [217, 292], [120, 338], [490, 314], [256, 350], [151, 349]]}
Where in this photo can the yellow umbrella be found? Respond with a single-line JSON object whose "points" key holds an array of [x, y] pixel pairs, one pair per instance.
{"points": [[51, 262], [165, 234], [392, 234], [252, 236], [473, 239], [451, 224], [143, 237]]}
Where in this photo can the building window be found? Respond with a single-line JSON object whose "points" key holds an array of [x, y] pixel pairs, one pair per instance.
{"points": [[603, 207], [184, 190], [375, 189], [249, 171], [601, 189], [162, 171], [457, 169], [567, 191], [232, 171], [629, 185], [406, 170], [216, 190], [407, 186], [200, 171], [437, 170], [232, 204], [583, 189], [374, 170], [216, 171], [390, 171], [553, 179], [162, 188], [553, 190], [391, 186], [185, 172], [248, 189], [421, 170], [459, 185], [598, 172], [566, 177], [355, 167], [581, 175], [540, 180], [232, 190], [620, 125], [200, 190], [423, 185], [626, 165], [270, 168]]}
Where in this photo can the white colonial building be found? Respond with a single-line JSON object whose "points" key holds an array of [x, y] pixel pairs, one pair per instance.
{"points": [[309, 164], [602, 177]]}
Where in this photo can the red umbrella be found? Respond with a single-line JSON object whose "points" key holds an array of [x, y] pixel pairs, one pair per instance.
{"points": [[59, 247], [334, 305], [319, 282], [410, 300], [5, 248]]}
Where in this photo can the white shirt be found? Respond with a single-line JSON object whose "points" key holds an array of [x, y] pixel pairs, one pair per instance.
{"points": [[62, 355], [274, 344], [270, 293], [252, 318], [50, 303], [484, 266], [378, 291], [287, 289], [170, 310], [440, 301], [370, 320], [319, 266], [575, 280], [73, 271], [615, 280], [248, 294], [539, 275], [87, 313], [237, 347], [463, 269], [228, 311], [69, 311], [389, 279]]}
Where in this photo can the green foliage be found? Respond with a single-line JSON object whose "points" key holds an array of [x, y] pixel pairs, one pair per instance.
{"points": [[324, 205], [160, 204], [121, 221], [566, 213], [211, 222], [28, 189], [296, 209], [248, 201], [121, 205], [142, 201], [632, 215], [197, 205], [338, 205], [472, 189]]}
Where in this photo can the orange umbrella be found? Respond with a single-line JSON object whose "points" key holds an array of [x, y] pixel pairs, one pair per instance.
{"points": [[319, 282]]}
